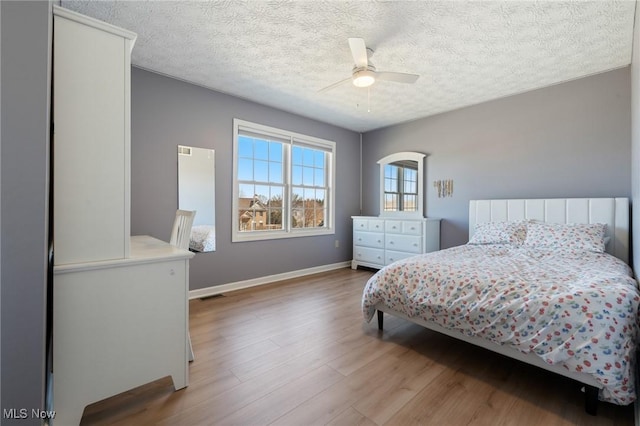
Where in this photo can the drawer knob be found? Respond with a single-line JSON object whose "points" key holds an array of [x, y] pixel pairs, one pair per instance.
{"points": [[379, 241], [390, 242], [413, 228]]}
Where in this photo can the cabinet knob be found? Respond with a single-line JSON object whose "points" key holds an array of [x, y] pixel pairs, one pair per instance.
{"points": [[379, 241], [413, 228], [390, 242]]}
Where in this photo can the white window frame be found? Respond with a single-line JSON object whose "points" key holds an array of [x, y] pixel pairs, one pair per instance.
{"points": [[287, 230]]}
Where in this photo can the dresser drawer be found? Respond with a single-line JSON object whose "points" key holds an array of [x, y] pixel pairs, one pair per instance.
{"points": [[411, 227], [392, 256], [368, 225], [393, 226], [408, 243], [367, 254], [368, 239]]}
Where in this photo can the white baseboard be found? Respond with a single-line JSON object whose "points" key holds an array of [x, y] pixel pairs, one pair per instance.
{"points": [[225, 288]]}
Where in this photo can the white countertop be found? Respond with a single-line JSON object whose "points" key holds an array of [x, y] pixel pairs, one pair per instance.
{"points": [[143, 249]]}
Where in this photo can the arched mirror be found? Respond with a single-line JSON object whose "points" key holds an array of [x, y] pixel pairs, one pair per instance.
{"points": [[401, 184], [196, 191]]}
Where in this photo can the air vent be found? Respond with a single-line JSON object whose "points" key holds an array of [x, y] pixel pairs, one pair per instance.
{"points": [[184, 150]]}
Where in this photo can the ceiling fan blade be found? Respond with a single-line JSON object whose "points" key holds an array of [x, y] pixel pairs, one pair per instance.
{"points": [[398, 77], [359, 52], [341, 82]]}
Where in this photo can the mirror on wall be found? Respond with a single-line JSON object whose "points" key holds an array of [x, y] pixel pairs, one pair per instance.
{"points": [[401, 184], [196, 191]]}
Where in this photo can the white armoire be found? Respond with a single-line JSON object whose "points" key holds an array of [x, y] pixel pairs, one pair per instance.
{"points": [[120, 312]]}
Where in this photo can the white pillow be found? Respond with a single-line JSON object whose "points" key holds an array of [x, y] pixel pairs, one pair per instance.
{"points": [[576, 236], [500, 233]]}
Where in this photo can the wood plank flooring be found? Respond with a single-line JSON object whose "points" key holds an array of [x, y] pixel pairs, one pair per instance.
{"points": [[299, 353]]}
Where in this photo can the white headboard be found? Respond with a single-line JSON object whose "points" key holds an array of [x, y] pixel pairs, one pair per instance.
{"points": [[612, 211]]}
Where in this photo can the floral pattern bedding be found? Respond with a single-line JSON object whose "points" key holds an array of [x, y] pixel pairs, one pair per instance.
{"points": [[574, 308]]}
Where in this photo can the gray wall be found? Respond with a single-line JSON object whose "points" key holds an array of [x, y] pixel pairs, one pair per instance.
{"points": [[26, 40], [635, 144], [167, 112], [568, 140]]}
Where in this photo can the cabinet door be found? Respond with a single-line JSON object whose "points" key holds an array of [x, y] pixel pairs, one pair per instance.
{"points": [[90, 143]]}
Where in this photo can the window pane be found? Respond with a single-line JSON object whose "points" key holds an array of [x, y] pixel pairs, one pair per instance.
{"points": [[320, 196], [309, 197], [319, 177], [410, 187], [390, 202], [275, 173], [307, 157], [410, 203], [246, 191], [296, 175], [261, 171], [245, 147], [245, 169], [274, 220], [261, 149], [318, 159], [275, 152], [262, 193], [296, 155], [297, 197], [297, 218], [307, 176]]}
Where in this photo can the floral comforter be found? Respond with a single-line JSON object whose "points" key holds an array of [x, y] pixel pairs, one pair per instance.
{"points": [[578, 309]]}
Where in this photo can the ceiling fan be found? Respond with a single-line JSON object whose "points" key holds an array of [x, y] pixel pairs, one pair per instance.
{"points": [[364, 74]]}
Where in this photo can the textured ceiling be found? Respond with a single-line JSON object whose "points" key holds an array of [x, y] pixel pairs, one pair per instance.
{"points": [[281, 53]]}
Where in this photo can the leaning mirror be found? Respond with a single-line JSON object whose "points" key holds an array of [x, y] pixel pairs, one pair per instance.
{"points": [[196, 191], [401, 177]]}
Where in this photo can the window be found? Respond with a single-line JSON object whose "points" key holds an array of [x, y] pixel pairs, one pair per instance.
{"points": [[400, 187], [283, 183]]}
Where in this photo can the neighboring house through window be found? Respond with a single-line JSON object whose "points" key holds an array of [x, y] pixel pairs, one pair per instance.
{"points": [[283, 183]]}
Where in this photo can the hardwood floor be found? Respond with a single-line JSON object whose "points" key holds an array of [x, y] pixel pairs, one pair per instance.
{"points": [[299, 353]]}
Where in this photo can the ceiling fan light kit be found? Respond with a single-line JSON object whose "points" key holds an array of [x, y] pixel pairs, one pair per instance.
{"points": [[363, 78]]}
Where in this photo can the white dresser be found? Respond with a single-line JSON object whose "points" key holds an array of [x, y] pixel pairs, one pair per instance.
{"points": [[379, 241]]}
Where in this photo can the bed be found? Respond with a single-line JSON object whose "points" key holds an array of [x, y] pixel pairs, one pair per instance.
{"points": [[542, 281]]}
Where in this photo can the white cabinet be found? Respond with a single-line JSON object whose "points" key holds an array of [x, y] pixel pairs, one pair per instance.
{"points": [[379, 241], [91, 142], [120, 305], [119, 324]]}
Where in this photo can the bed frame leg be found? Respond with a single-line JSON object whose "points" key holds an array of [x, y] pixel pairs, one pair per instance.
{"points": [[591, 399], [380, 320]]}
